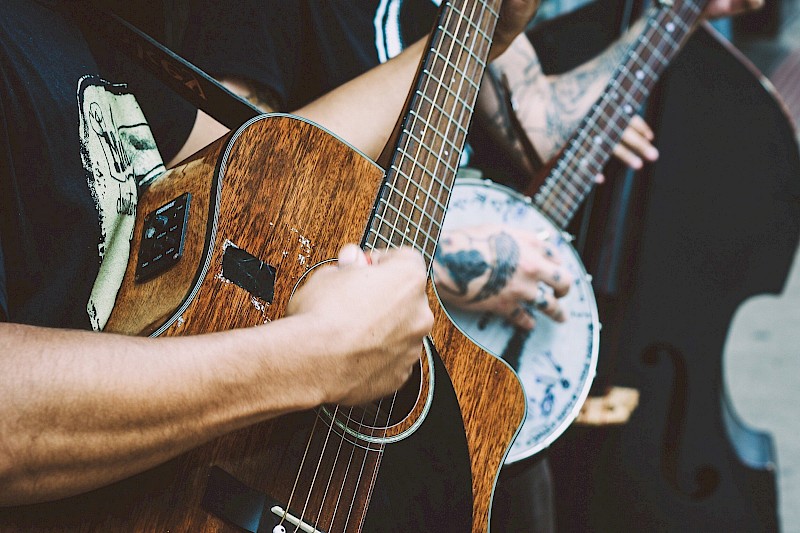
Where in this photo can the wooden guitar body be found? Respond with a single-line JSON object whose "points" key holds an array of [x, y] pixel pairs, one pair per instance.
{"points": [[290, 195]]}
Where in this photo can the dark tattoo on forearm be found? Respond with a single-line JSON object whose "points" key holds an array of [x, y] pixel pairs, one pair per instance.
{"points": [[464, 266], [263, 97]]}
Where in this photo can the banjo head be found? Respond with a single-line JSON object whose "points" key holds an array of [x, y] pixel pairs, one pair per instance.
{"points": [[556, 362]]}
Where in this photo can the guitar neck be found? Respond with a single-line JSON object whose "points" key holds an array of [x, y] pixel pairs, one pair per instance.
{"points": [[667, 27], [411, 207]]}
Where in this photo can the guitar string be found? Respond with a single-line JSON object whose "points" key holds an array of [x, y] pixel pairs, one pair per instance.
{"points": [[381, 446], [437, 202], [639, 87], [634, 93], [558, 201], [585, 165], [426, 129], [554, 201], [421, 144], [394, 226], [439, 161], [297, 477], [302, 515], [342, 485]]}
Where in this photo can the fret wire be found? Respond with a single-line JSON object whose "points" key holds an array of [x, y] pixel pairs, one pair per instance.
{"points": [[409, 218], [670, 37], [655, 52], [450, 167], [478, 30], [487, 7], [419, 188], [453, 122], [477, 61], [393, 236], [450, 92], [571, 204], [465, 108], [434, 103], [428, 82], [453, 151], [615, 89], [436, 131], [395, 231], [433, 178], [645, 69], [461, 129], [388, 243]]}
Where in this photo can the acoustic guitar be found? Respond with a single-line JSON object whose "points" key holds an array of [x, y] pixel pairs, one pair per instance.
{"points": [[224, 239]]}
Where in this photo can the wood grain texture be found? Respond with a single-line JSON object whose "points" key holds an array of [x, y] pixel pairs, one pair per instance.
{"points": [[291, 194], [492, 405]]}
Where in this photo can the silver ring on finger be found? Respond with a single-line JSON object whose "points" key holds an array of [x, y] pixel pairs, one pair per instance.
{"points": [[516, 312], [541, 301]]}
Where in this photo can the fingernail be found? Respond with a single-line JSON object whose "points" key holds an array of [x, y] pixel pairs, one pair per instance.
{"points": [[349, 255]]}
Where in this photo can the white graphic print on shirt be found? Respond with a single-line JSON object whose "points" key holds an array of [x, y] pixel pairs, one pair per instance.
{"points": [[388, 35], [119, 154]]}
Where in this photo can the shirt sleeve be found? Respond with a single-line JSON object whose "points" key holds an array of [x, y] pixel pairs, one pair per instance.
{"points": [[260, 41]]}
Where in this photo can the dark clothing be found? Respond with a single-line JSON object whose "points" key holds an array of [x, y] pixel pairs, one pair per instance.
{"points": [[302, 50], [74, 149]]}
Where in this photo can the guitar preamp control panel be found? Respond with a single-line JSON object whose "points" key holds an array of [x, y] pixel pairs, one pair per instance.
{"points": [[162, 238]]}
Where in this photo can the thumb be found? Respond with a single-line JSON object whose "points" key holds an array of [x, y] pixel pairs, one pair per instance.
{"points": [[350, 254]]}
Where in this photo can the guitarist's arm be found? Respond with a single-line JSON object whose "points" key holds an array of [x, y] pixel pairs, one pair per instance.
{"points": [[83, 409], [549, 108], [364, 110]]}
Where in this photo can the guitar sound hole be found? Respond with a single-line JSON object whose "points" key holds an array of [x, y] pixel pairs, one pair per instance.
{"points": [[389, 411]]}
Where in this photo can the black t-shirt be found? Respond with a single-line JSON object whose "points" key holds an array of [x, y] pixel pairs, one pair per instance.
{"points": [[75, 147], [303, 48]]}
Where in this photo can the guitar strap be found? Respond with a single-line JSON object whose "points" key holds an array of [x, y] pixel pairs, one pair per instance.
{"points": [[186, 79]]}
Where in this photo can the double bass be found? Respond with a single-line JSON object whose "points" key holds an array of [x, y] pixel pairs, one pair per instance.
{"points": [[674, 252]]}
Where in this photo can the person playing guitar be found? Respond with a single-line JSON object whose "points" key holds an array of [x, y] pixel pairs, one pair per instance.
{"points": [[83, 409]]}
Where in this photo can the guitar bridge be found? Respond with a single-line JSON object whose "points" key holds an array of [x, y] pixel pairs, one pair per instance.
{"points": [[231, 500]]}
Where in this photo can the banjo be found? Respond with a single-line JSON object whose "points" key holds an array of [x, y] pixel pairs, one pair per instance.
{"points": [[557, 362]]}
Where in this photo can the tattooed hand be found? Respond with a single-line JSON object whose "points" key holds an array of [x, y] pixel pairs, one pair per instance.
{"points": [[549, 108], [500, 269]]}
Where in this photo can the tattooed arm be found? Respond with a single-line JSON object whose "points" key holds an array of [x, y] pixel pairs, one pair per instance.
{"points": [[549, 108], [499, 268]]}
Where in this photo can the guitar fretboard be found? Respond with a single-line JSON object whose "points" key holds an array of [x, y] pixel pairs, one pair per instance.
{"points": [[572, 178], [418, 182]]}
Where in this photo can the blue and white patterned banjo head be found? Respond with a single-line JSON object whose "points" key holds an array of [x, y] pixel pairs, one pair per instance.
{"points": [[556, 362]]}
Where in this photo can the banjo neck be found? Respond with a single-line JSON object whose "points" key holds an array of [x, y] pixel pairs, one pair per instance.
{"points": [[668, 26]]}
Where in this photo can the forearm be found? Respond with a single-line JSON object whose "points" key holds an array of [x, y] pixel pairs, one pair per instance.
{"points": [[365, 110], [81, 409], [550, 108]]}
